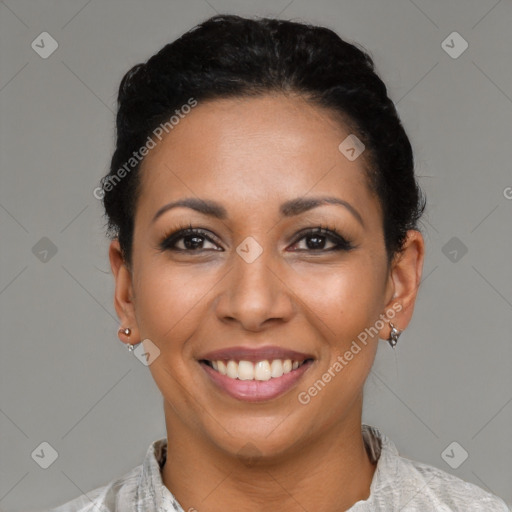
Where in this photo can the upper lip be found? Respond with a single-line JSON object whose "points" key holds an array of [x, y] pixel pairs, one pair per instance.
{"points": [[255, 354]]}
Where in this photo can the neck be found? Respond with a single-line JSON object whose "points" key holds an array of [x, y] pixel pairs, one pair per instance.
{"points": [[328, 474]]}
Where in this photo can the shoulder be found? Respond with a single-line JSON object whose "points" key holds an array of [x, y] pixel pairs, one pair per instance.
{"points": [[137, 487], [112, 497], [407, 485], [431, 488]]}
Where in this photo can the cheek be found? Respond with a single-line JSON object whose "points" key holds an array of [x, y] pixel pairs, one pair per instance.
{"points": [[346, 298], [169, 310], [169, 301]]}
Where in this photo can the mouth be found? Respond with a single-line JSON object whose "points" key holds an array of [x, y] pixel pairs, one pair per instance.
{"points": [[259, 370], [255, 375]]}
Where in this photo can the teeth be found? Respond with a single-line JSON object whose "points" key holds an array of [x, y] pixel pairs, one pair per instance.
{"points": [[245, 370], [276, 368], [221, 367], [232, 370], [261, 370]]}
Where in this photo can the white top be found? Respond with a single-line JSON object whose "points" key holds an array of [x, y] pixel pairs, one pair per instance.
{"points": [[398, 484]]}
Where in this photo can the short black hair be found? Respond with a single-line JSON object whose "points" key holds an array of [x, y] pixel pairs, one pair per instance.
{"points": [[229, 56]]}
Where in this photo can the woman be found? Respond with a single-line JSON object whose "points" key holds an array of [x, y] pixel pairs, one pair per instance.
{"points": [[263, 211]]}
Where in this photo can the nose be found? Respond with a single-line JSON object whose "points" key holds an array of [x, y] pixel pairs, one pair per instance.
{"points": [[255, 294]]}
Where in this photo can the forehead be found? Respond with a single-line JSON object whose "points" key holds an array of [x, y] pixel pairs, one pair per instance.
{"points": [[250, 152]]}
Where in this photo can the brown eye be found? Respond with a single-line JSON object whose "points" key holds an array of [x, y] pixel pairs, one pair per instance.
{"points": [[193, 240], [317, 238]]}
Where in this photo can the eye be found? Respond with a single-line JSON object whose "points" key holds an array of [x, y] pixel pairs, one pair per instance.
{"points": [[190, 239], [194, 239], [317, 238]]}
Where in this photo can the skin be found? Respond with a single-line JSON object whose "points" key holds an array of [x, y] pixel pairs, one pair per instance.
{"points": [[251, 155]]}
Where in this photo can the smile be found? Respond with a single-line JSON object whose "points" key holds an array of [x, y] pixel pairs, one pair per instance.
{"points": [[259, 370], [255, 374]]}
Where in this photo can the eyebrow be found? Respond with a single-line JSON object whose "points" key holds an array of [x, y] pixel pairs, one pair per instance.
{"points": [[289, 208]]}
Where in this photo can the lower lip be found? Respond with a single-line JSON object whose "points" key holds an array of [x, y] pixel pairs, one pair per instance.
{"points": [[256, 390]]}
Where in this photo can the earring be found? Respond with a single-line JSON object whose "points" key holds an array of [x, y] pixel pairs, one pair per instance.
{"points": [[127, 331], [394, 335]]}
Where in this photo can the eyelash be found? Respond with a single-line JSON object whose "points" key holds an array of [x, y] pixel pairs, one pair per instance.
{"points": [[342, 244]]}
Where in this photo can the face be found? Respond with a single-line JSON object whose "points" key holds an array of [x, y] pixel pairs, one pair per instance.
{"points": [[271, 277]]}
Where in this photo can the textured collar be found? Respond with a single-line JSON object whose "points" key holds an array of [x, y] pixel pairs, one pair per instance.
{"points": [[398, 484]]}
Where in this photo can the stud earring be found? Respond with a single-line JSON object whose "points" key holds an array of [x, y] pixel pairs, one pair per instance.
{"points": [[393, 336], [127, 332]]}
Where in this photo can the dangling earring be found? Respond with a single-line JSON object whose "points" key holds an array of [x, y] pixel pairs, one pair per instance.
{"points": [[127, 332], [393, 336]]}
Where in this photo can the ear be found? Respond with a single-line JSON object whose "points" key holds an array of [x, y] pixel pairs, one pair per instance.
{"points": [[404, 281], [123, 297]]}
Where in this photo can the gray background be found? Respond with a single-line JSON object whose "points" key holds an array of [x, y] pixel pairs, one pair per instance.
{"points": [[65, 377]]}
